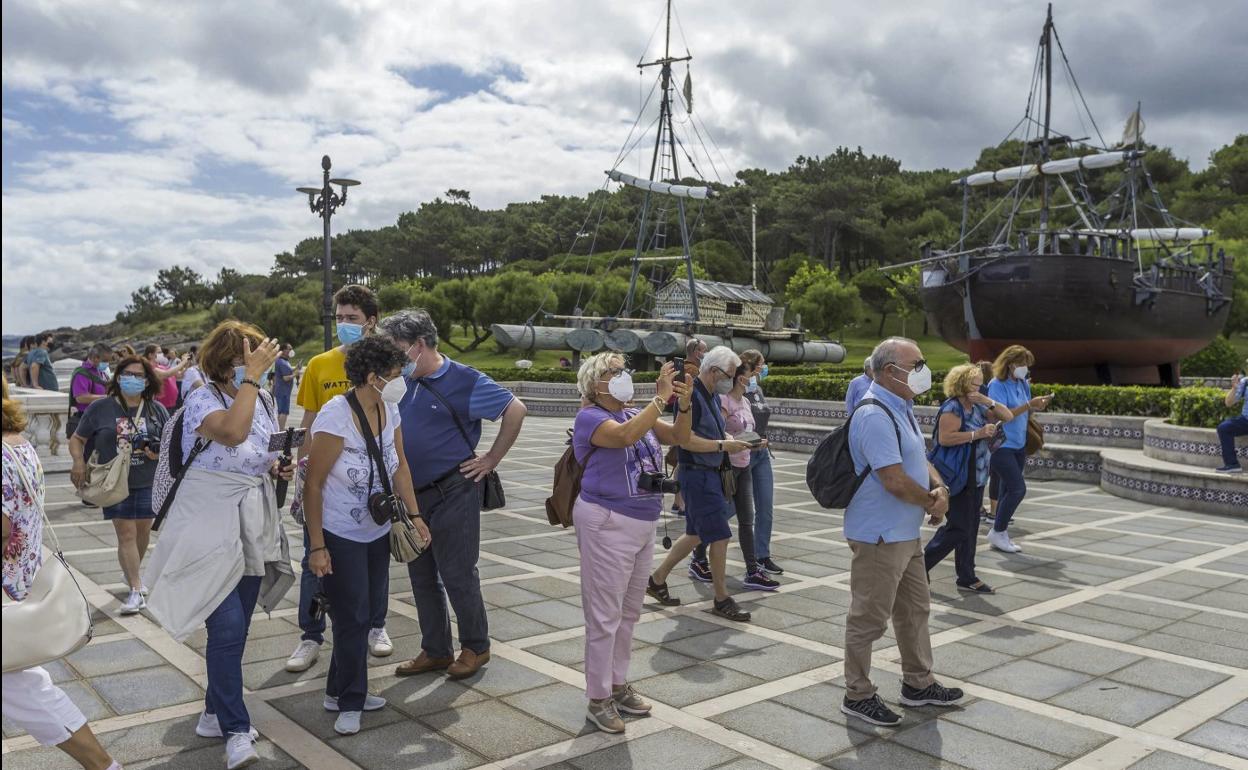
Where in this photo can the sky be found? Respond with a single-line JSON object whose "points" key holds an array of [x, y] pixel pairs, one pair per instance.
{"points": [[140, 134]]}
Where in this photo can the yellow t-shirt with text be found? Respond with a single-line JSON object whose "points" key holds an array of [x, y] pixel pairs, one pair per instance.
{"points": [[324, 378]]}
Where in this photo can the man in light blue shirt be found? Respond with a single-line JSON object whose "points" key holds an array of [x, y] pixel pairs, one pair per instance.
{"points": [[1228, 430], [858, 386], [887, 574]]}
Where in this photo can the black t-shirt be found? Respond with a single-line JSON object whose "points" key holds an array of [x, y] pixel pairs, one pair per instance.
{"points": [[106, 419], [762, 412]]}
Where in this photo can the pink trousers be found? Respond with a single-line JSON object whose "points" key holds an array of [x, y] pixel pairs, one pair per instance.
{"points": [[617, 554]]}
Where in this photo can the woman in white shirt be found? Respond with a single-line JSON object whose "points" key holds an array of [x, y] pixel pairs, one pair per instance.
{"points": [[349, 537]]}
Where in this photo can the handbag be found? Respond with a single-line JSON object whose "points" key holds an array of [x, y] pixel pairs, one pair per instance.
{"points": [[492, 496], [54, 620], [950, 461], [1035, 437], [109, 483]]}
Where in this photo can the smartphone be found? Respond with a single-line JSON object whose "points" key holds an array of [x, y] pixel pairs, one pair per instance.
{"points": [[277, 441], [679, 363]]}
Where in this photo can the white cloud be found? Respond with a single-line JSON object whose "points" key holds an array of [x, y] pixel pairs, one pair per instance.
{"points": [[219, 87]]}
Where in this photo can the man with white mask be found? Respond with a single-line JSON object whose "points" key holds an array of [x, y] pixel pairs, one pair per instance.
{"points": [[887, 574]]}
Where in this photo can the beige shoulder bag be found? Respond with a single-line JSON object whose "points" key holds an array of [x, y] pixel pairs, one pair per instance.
{"points": [[54, 619], [109, 483]]}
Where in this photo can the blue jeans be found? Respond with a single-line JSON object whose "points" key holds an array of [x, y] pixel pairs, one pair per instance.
{"points": [[448, 568], [764, 498], [1008, 464], [361, 573], [1227, 431], [227, 636], [314, 629]]}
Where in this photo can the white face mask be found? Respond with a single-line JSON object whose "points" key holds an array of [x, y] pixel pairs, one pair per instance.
{"points": [[1020, 372], [621, 387], [918, 382], [394, 390]]}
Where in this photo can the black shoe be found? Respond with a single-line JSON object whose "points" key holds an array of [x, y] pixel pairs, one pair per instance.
{"points": [[700, 571], [770, 567], [871, 710], [757, 580], [728, 609], [978, 587], [658, 592], [935, 694]]}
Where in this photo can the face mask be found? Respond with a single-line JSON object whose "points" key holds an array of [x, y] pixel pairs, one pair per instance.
{"points": [[752, 386], [410, 367], [162, 361], [621, 387], [724, 387], [394, 390], [104, 371], [349, 333], [918, 382], [131, 385], [240, 374], [1020, 372], [762, 375]]}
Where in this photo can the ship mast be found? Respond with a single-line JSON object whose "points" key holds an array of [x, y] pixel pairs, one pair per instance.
{"points": [[1047, 43], [664, 147]]}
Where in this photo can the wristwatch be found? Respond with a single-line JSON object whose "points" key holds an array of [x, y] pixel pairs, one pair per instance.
{"points": [[942, 486]]}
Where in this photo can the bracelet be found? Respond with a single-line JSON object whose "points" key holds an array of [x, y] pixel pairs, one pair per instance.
{"points": [[248, 381], [658, 403], [321, 548], [685, 410]]}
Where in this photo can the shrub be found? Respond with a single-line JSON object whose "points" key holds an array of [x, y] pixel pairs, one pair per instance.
{"points": [[1123, 400], [1201, 407], [1218, 359]]}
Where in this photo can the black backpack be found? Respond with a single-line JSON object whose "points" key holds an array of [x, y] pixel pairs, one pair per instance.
{"points": [[830, 470]]}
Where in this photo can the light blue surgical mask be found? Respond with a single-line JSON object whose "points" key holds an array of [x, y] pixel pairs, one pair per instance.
{"points": [[349, 333], [410, 366], [762, 374], [752, 387], [240, 374], [104, 370], [131, 384]]}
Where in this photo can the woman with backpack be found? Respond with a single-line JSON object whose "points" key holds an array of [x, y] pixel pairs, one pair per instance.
{"points": [[128, 421], [355, 469], [223, 548], [965, 422], [619, 447]]}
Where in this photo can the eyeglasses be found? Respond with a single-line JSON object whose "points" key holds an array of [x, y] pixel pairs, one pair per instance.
{"points": [[918, 365]]}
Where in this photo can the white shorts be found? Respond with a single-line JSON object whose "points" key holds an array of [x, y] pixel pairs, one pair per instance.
{"points": [[39, 707]]}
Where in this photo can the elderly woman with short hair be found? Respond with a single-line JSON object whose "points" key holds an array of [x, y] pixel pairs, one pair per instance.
{"points": [[621, 498], [707, 509]]}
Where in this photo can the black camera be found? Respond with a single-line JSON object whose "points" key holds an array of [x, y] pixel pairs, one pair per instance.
{"points": [[319, 607], [657, 483], [151, 443], [383, 507]]}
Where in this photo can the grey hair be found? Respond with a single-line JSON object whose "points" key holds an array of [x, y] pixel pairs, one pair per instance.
{"points": [[101, 349], [410, 327], [592, 370], [885, 353], [722, 358], [692, 346], [866, 366]]}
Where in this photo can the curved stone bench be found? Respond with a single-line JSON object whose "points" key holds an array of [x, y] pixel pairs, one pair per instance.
{"points": [[1197, 447], [1133, 475]]}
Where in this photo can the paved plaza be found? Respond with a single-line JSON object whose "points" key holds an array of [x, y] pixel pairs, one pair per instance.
{"points": [[1117, 639]]}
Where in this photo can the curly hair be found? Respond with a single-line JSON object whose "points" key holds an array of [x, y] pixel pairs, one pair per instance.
{"points": [[593, 369], [373, 355], [958, 380], [153, 382], [223, 346], [358, 296], [14, 412]]}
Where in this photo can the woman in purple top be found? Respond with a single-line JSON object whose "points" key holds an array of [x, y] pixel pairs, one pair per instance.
{"points": [[621, 499]]}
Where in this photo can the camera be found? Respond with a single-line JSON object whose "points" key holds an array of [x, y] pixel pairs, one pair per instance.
{"points": [[383, 508], [319, 607], [151, 443], [657, 483]]}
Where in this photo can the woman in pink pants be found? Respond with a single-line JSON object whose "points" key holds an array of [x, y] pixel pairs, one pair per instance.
{"points": [[619, 446]]}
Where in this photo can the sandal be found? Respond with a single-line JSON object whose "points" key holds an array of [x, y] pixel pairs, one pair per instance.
{"points": [[729, 610], [979, 587], [658, 592]]}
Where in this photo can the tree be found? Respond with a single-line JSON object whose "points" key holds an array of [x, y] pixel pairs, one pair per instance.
{"points": [[825, 304], [507, 298], [905, 292], [146, 304], [288, 318], [228, 282], [876, 293], [183, 286]]}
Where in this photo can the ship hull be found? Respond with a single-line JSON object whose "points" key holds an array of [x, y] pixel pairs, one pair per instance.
{"points": [[1077, 313]]}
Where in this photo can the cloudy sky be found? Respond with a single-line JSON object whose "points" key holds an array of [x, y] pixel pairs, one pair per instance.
{"points": [[140, 134]]}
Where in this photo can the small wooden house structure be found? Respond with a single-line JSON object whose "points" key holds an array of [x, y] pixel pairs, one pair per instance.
{"points": [[721, 304]]}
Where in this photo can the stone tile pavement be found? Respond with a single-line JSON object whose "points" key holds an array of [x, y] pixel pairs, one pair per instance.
{"points": [[1117, 639]]}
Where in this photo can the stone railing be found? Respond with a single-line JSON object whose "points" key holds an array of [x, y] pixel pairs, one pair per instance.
{"points": [[46, 415]]}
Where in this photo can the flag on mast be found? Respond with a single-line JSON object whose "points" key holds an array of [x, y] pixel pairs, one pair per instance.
{"points": [[1133, 131], [688, 91]]}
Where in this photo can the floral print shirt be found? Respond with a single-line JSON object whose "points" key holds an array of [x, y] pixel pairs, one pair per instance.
{"points": [[24, 554]]}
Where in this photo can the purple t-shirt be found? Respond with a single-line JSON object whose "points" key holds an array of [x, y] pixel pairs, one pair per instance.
{"points": [[87, 384], [610, 479]]}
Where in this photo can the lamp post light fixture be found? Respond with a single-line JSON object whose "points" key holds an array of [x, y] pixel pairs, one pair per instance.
{"points": [[323, 201]]}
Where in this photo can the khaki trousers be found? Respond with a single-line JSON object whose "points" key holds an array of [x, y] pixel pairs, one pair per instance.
{"points": [[887, 579]]}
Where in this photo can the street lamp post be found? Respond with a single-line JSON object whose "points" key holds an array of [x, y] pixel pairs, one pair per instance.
{"points": [[323, 201]]}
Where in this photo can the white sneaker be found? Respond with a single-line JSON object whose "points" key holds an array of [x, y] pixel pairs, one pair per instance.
{"points": [[303, 657], [1014, 547], [240, 751], [379, 643], [371, 703], [133, 604], [348, 723], [143, 590], [210, 727], [1000, 541]]}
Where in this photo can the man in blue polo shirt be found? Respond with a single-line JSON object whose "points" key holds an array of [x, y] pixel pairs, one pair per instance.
{"points": [[887, 577], [442, 413], [858, 387], [1231, 428]]}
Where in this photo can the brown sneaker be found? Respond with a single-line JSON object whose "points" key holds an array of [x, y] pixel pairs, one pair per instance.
{"points": [[603, 715], [629, 702], [468, 664], [421, 664]]}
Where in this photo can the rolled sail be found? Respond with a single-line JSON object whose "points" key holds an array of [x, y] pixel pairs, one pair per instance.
{"points": [[1011, 174], [677, 190], [1053, 167], [1169, 233]]}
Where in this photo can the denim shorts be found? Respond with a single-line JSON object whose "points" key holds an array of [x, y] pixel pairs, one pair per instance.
{"points": [[283, 402], [137, 506], [706, 509]]}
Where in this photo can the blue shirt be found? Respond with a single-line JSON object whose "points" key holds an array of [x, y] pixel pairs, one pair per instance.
{"points": [[1012, 393], [432, 443], [1241, 394], [874, 513], [47, 377], [708, 422], [856, 390], [282, 386]]}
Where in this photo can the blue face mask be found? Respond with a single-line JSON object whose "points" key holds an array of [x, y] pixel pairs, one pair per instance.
{"points": [[240, 374], [131, 385], [410, 367], [752, 386], [349, 333], [104, 371], [762, 374]]}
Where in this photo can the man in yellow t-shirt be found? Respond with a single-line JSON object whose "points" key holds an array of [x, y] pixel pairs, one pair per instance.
{"points": [[356, 313]]}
